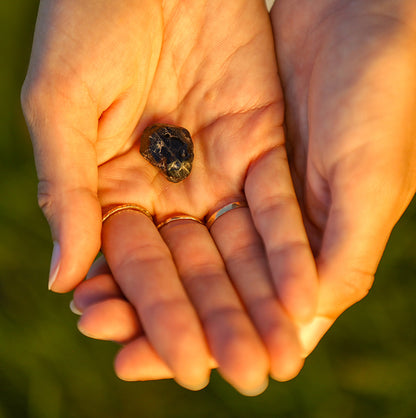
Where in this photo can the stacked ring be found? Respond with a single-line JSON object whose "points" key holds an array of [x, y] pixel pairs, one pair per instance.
{"points": [[178, 218], [112, 210], [222, 211]]}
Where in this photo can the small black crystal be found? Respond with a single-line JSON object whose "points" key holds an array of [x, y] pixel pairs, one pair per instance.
{"points": [[170, 149]]}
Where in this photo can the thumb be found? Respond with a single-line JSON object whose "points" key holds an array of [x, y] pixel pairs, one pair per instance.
{"points": [[353, 242], [67, 170], [366, 204], [361, 217]]}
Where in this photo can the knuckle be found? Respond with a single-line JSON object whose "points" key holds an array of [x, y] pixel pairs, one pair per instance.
{"points": [[340, 289], [51, 93], [363, 283], [53, 195], [34, 97], [356, 286], [45, 198], [28, 98]]}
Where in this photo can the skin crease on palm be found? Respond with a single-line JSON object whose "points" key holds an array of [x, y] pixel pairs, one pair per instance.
{"points": [[352, 149], [88, 95]]}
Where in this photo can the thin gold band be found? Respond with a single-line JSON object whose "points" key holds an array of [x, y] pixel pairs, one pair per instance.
{"points": [[178, 218], [223, 211], [127, 206], [108, 212]]}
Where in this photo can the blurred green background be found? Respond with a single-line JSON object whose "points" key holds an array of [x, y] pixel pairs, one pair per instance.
{"points": [[364, 367]]}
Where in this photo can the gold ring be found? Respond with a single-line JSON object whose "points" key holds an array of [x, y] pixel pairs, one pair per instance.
{"points": [[112, 210], [223, 211], [179, 218]]}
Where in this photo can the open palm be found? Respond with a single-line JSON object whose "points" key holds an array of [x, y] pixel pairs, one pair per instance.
{"points": [[220, 82], [210, 69]]}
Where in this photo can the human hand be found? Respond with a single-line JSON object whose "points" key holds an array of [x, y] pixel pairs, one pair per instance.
{"points": [[218, 79], [89, 76], [349, 78]]}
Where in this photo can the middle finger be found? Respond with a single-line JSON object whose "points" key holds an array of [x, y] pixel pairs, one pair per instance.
{"points": [[233, 340]]}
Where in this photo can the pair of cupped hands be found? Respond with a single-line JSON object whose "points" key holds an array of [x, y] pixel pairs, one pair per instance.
{"points": [[307, 113]]}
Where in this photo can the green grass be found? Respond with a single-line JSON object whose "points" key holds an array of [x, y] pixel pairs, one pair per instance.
{"points": [[364, 367]]}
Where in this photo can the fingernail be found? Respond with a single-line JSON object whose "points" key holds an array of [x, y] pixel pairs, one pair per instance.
{"points": [[74, 309], [55, 263]]}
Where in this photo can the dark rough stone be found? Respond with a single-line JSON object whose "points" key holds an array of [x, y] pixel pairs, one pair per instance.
{"points": [[168, 148]]}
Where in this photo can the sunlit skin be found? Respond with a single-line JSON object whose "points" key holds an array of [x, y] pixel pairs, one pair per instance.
{"points": [[348, 73], [351, 124], [99, 74]]}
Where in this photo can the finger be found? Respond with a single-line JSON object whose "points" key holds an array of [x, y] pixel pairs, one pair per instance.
{"points": [[346, 265], [99, 266], [356, 232], [278, 220], [95, 290], [143, 268], [245, 259], [111, 320], [63, 133], [233, 341], [116, 320], [310, 334], [139, 361], [358, 226]]}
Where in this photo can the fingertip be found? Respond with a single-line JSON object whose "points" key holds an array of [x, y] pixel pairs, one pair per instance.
{"points": [[76, 229], [244, 363], [288, 363], [73, 265], [255, 390], [72, 268], [96, 289], [137, 361], [194, 386], [74, 308], [312, 333], [111, 320], [285, 350], [193, 374], [288, 370]]}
